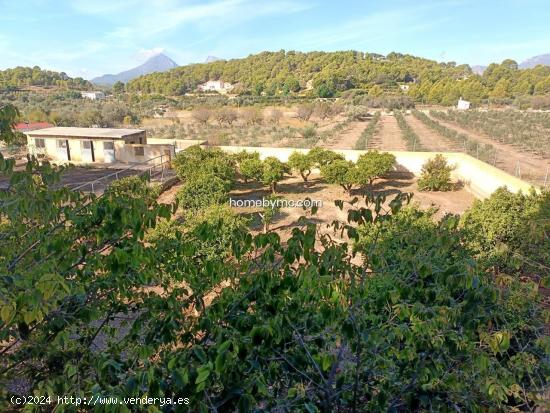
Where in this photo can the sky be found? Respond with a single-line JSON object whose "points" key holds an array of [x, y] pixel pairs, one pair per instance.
{"points": [[88, 38]]}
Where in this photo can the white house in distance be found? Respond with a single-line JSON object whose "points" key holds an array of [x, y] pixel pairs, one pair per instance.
{"points": [[463, 104], [93, 95], [216, 86], [102, 145]]}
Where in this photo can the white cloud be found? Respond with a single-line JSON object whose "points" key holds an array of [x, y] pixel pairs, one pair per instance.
{"points": [[144, 54]]}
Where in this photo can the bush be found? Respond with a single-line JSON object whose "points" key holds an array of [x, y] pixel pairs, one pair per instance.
{"points": [[195, 160], [436, 175], [202, 191], [510, 231], [134, 187]]}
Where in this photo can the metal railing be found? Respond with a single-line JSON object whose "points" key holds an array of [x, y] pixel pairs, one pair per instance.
{"points": [[158, 167]]}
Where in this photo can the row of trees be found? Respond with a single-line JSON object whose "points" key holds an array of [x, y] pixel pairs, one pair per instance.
{"points": [[411, 138], [21, 77], [529, 131], [485, 152], [368, 132], [329, 74]]}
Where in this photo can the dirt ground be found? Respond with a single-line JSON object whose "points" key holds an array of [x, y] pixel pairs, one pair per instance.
{"points": [[532, 167], [293, 188], [387, 136], [348, 137], [430, 140]]}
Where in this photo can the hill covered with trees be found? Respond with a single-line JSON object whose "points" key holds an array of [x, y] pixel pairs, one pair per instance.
{"points": [[327, 74], [21, 77]]}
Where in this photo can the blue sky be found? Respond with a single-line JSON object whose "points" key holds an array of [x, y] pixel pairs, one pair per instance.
{"points": [[92, 37]]}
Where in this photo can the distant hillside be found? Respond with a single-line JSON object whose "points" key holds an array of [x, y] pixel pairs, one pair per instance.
{"points": [[272, 73], [543, 59], [23, 77], [158, 63]]}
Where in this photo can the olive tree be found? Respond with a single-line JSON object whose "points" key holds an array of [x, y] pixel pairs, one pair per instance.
{"points": [[202, 115], [304, 111]]}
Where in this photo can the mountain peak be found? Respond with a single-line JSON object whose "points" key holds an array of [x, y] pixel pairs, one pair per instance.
{"points": [[157, 63], [542, 59]]}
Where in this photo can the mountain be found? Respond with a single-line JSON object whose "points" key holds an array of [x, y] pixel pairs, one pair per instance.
{"points": [[543, 59], [157, 63], [478, 69], [211, 59]]}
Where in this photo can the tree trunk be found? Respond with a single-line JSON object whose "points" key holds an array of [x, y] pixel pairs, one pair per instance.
{"points": [[273, 187]]}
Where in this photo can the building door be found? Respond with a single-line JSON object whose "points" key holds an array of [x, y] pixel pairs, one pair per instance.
{"points": [[108, 152], [63, 153], [88, 151]]}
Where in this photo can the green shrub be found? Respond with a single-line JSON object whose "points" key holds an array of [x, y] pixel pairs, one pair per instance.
{"points": [[436, 175], [510, 231], [195, 160], [134, 187], [202, 191]]}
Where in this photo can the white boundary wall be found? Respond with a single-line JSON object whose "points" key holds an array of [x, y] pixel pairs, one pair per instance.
{"points": [[479, 178]]}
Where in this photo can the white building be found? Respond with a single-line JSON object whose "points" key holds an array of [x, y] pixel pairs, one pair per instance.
{"points": [[93, 95], [102, 145], [216, 86], [463, 104]]}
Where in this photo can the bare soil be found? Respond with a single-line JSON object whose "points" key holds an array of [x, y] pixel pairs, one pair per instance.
{"points": [[430, 140], [531, 167], [293, 188], [348, 137], [388, 136]]}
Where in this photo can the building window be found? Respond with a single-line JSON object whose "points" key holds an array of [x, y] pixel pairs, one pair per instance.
{"points": [[39, 143], [61, 143], [109, 146], [139, 151], [86, 145]]}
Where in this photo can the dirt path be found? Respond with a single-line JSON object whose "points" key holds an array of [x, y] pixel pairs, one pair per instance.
{"points": [[347, 138], [387, 136], [430, 140], [531, 167]]}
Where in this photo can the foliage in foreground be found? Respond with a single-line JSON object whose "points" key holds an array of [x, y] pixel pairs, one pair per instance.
{"points": [[91, 307], [511, 232]]}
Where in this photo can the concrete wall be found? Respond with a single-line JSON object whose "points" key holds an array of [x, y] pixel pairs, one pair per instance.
{"points": [[127, 153], [479, 178]]}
